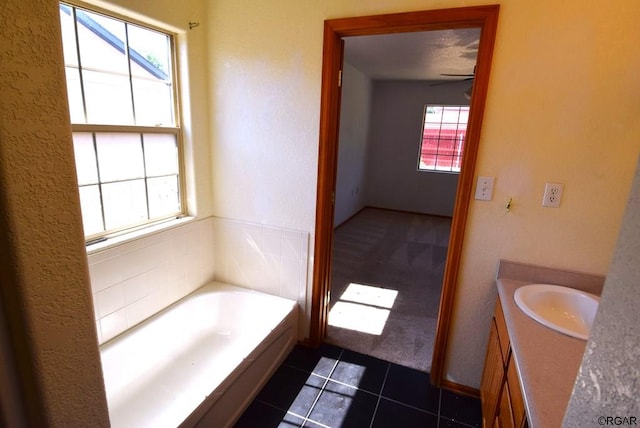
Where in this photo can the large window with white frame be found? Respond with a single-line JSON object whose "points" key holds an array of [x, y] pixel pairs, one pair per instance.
{"points": [[124, 117]]}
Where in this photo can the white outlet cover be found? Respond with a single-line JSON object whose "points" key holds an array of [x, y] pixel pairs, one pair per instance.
{"points": [[552, 195], [484, 188]]}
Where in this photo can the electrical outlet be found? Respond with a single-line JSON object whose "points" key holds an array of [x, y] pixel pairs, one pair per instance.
{"points": [[484, 188], [552, 195]]}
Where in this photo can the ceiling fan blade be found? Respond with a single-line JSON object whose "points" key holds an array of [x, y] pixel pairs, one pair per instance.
{"points": [[449, 82], [459, 75]]}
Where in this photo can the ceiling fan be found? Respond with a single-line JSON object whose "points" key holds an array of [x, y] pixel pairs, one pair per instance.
{"points": [[466, 77]]}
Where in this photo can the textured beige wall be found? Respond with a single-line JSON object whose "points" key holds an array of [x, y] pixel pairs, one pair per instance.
{"points": [[562, 106], [44, 262]]}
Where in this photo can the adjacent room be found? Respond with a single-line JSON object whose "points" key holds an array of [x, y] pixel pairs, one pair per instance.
{"points": [[404, 110]]}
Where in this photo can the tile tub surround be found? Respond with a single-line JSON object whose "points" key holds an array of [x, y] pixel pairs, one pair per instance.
{"points": [[547, 361], [136, 279], [334, 387], [269, 259]]}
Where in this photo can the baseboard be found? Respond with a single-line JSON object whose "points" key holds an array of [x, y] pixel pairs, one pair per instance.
{"points": [[407, 211], [459, 388], [335, 227]]}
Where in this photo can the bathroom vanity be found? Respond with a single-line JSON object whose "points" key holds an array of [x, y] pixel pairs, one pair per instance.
{"points": [[502, 401], [529, 369]]}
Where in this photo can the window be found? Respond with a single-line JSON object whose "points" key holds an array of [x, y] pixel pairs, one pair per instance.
{"points": [[443, 135], [126, 138]]}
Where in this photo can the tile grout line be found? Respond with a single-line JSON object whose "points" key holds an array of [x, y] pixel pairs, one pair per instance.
{"points": [[324, 384], [384, 381]]}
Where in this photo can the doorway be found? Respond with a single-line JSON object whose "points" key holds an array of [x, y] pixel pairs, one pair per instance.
{"points": [[484, 17]]}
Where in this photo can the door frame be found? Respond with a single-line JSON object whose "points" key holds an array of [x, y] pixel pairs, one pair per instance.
{"points": [[484, 17]]}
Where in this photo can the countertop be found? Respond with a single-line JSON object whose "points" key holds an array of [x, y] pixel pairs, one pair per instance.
{"points": [[547, 361]]}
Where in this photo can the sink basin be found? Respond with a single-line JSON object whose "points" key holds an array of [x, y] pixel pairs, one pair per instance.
{"points": [[563, 309]]}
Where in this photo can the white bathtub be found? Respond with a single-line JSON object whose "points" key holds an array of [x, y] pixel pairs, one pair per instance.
{"points": [[199, 362]]}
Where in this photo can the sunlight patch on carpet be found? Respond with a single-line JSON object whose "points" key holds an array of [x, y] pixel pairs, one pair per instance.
{"points": [[363, 308]]}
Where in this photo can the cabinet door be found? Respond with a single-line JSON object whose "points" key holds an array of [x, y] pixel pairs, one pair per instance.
{"points": [[506, 415], [503, 335], [493, 377], [517, 401]]}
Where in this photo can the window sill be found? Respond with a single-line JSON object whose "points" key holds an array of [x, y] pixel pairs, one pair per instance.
{"points": [[145, 232]]}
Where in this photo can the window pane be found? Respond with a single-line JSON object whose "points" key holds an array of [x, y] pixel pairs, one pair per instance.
{"points": [[464, 116], [433, 115], [163, 196], [149, 52], [68, 36], [74, 94], [102, 42], [124, 203], [91, 209], [85, 155], [160, 154], [119, 156], [450, 115], [108, 98], [153, 103]]}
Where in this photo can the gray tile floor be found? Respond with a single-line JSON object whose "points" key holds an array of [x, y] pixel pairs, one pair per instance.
{"points": [[337, 388]]}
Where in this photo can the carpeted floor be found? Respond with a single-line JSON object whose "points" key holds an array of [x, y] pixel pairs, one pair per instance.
{"points": [[385, 250]]}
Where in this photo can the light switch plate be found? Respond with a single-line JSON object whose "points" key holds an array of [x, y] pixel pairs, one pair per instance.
{"points": [[484, 188]]}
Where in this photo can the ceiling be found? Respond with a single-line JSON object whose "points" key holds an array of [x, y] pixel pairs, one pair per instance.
{"points": [[414, 56]]}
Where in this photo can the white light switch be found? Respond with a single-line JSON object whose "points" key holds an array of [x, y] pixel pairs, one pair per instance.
{"points": [[484, 188]]}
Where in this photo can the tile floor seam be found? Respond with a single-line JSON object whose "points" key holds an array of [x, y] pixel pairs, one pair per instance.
{"points": [[375, 411], [409, 406], [458, 421], [354, 387], [273, 406], [439, 404], [324, 384], [314, 422]]}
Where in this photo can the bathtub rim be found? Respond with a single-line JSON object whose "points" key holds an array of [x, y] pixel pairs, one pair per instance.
{"points": [[287, 326]]}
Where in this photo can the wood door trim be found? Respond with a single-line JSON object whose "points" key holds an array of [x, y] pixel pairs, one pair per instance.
{"points": [[484, 17]]}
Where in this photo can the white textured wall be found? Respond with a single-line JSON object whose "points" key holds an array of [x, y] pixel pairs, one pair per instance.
{"points": [[352, 143], [609, 378], [393, 179], [45, 281]]}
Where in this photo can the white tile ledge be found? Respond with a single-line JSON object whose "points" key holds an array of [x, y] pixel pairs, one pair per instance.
{"points": [[141, 233]]}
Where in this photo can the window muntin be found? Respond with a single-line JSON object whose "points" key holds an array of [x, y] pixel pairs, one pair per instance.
{"points": [[443, 136], [121, 91]]}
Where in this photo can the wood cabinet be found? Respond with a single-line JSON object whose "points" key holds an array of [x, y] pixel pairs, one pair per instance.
{"points": [[502, 401]]}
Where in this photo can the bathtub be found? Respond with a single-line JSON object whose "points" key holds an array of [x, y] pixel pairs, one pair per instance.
{"points": [[199, 362]]}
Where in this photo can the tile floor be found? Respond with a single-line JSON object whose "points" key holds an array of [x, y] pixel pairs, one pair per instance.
{"points": [[338, 388]]}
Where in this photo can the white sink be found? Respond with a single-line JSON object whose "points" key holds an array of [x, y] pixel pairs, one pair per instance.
{"points": [[563, 309]]}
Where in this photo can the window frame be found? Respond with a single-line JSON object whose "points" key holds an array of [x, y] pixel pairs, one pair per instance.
{"points": [[422, 139], [176, 130]]}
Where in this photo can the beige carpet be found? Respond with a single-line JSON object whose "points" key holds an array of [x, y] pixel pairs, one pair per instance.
{"points": [[387, 252]]}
